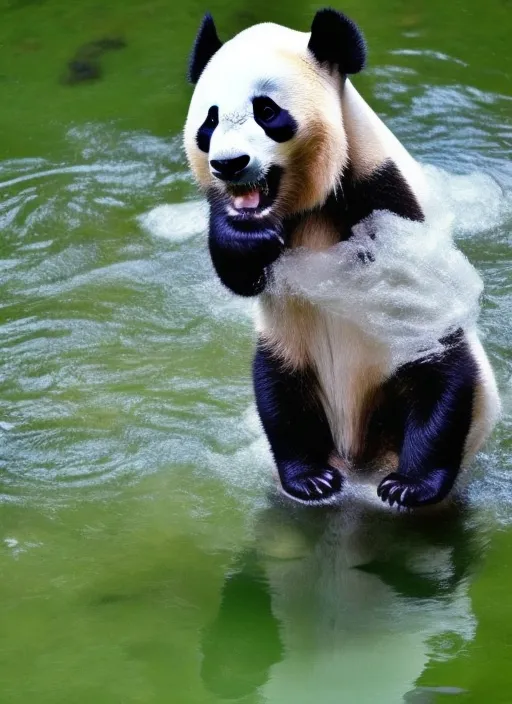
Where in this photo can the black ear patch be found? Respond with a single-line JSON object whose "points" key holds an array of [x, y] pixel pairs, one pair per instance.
{"points": [[207, 43], [337, 40]]}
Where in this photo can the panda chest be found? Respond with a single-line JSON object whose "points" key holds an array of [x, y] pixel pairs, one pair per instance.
{"points": [[348, 366]]}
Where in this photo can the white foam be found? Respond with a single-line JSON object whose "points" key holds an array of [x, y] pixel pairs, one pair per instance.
{"points": [[419, 287], [477, 201], [177, 222]]}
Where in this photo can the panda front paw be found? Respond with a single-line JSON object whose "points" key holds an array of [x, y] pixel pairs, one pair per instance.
{"points": [[241, 258], [314, 486], [413, 492]]}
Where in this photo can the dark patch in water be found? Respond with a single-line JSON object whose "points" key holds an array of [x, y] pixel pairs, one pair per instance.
{"points": [[85, 65], [244, 622], [82, 71]]}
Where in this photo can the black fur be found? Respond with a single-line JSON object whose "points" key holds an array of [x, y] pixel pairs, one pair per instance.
{"points": [[384, 189], [430, 405], [205, 132], [207, 44], [240, 253], [296, 427], [425, 415], [338, 41]]}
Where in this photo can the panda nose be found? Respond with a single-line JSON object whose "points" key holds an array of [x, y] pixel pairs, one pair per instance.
{"points": [[227, 169]]}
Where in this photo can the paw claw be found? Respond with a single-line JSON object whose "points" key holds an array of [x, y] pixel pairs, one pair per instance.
{"points": [[312, 482], [410, 492], [311, 487]]}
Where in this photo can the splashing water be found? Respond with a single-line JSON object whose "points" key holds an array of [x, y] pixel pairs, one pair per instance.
{"points": [[405, 283]]}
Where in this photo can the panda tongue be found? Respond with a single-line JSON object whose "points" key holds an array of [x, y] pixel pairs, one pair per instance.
{"points": [[248, 200]]}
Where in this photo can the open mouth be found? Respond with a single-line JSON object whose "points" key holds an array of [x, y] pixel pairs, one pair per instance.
{"points": [[250, 200]]}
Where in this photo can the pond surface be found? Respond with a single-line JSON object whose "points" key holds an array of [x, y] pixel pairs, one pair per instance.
{"points": [[143, 556]]}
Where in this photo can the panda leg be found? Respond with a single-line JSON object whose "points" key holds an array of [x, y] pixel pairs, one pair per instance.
{"points": [[297, 429], [437, 397]]}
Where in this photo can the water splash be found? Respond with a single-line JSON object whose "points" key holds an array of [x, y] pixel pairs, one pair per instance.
{"points": [[417, 289]]}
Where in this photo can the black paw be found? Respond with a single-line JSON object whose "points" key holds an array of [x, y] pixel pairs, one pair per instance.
{"points": [[411, 492], [313, 486], [240, 258]]}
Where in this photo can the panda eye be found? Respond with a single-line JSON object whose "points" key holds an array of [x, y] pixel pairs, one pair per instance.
{"points": [[212, 119], [276, 122], [265, 110], [268, 113], [205, 132]]}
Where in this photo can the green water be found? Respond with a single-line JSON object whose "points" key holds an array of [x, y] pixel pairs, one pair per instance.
{"points": [[143, 556]]}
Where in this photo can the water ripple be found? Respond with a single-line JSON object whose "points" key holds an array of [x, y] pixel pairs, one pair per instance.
{"points": [[121, 352]]}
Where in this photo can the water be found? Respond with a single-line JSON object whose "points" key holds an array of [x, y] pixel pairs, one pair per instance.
{"points": [[143, 556]]}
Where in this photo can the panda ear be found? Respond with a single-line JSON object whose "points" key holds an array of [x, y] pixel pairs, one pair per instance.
{"points": [[207, 43], [337, 40]]}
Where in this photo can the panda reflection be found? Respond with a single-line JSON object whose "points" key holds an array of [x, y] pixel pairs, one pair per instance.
{"points": [[290, 156], [342, 606]]}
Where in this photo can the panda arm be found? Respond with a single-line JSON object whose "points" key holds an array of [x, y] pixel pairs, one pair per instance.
{"points": [[240, 257], [296, 427], [383, 189], [436, 399]]}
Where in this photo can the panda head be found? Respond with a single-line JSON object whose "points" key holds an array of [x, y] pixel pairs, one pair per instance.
{"points": [[264, 134]]}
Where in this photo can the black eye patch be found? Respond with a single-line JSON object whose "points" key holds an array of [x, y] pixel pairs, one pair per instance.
{"points": [[276, 122], [204, 133]]}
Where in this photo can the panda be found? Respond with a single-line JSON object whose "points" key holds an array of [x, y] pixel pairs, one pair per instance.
{"points": [[295, 163]]}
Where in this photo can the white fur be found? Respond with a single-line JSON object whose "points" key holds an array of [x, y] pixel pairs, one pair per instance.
{"points": [[349, 365], [267, 60], [248, 66], [348, 362], [487, 405], [371, 143]]}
